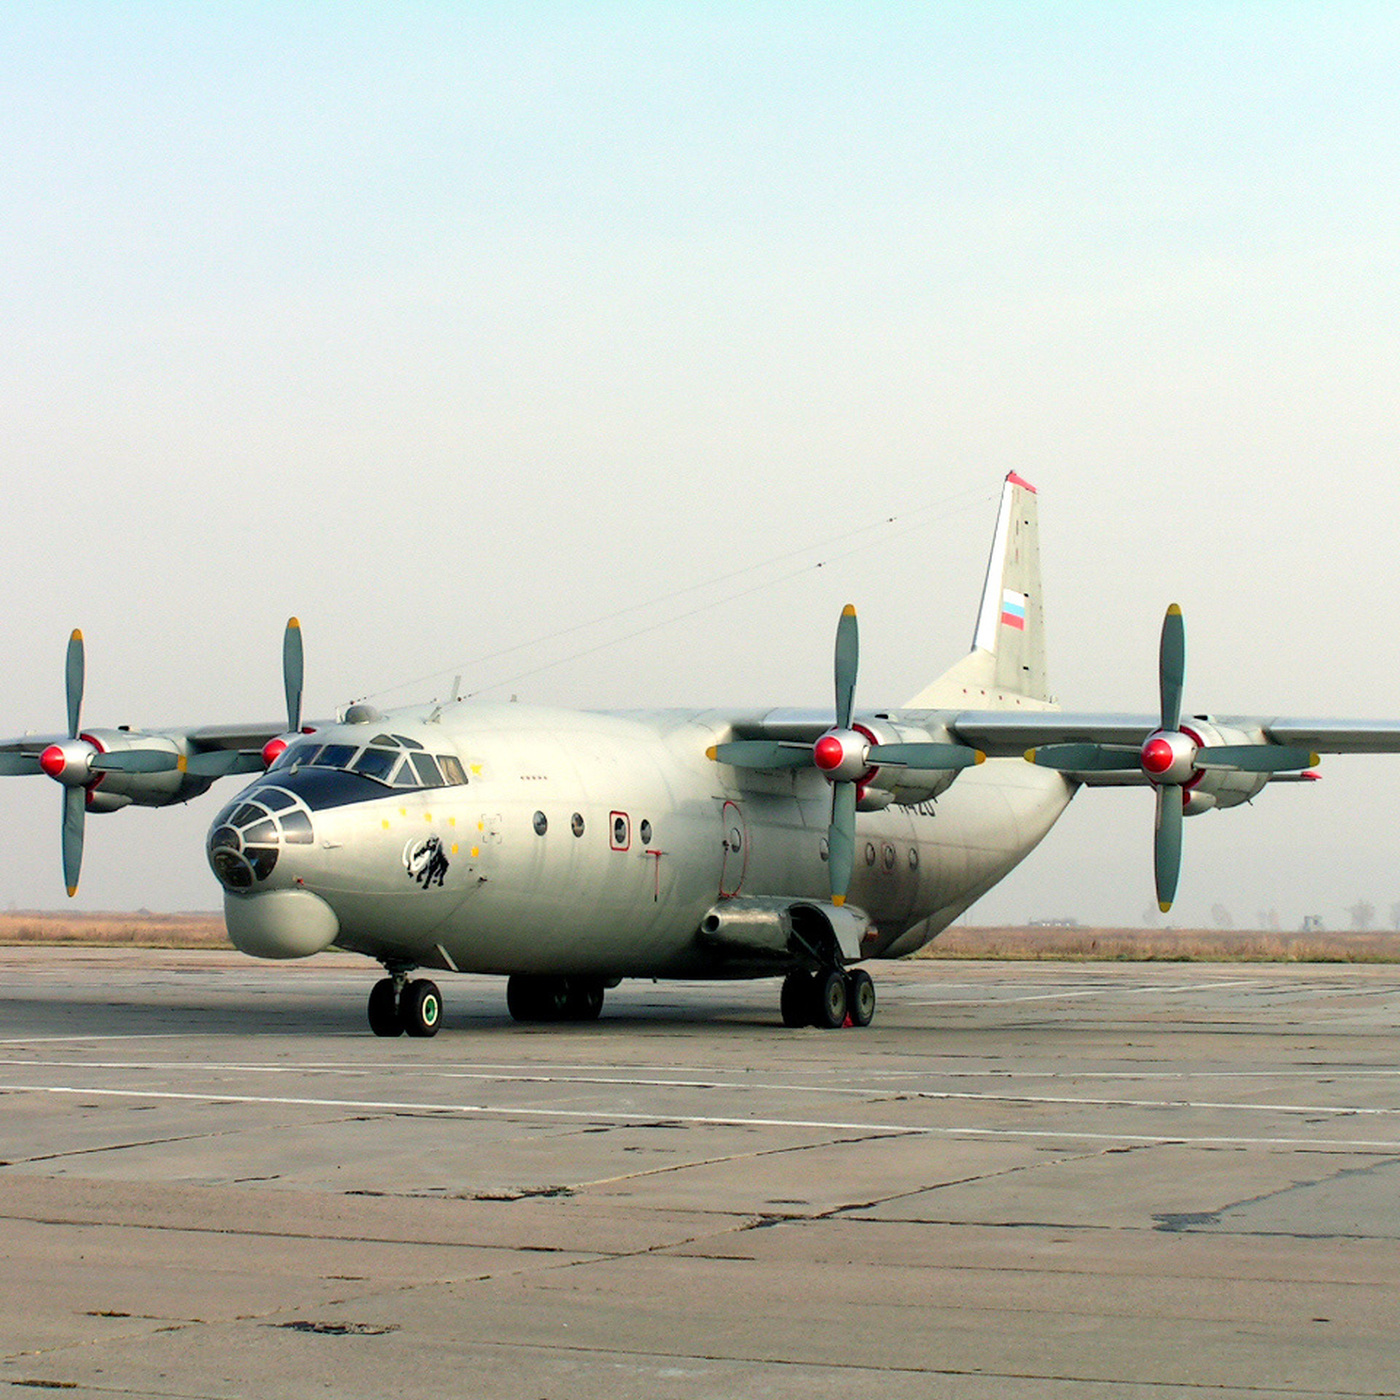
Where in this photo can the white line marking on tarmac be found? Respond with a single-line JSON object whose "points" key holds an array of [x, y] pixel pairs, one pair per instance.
{"points": [[641, 1119], [1109, 990], [503, 1076]]}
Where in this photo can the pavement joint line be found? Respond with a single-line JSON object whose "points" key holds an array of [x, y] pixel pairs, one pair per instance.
{"points": [[967, 1372], [1009, 1096], [643, 1119], [1081, 992]]}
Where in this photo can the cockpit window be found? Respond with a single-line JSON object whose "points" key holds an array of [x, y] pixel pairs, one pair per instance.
{"points": [[297, 753], [392, 759], [427, 770], [376, 763]]}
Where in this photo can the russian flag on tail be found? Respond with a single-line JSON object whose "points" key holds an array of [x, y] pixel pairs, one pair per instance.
{"points": [[1013, 609]]}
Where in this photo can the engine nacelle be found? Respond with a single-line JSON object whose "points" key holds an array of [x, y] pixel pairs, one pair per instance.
{"points": [[1211, 788], [99, 800], [906, 786], [158, 789]]}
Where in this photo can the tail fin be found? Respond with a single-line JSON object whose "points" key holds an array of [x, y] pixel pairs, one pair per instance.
{"points": [[1007, 662]]}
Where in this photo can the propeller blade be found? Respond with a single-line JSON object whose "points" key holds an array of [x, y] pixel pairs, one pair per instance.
{"points": [[761, 753], [1256, 758], [135, 761], [841, 840], [292, 671], [217, 763], [74, 814], [73, 681], [1166, 854], [847, 663], [929, 758], [1172, 666], [19, 765], [1085, 758]]}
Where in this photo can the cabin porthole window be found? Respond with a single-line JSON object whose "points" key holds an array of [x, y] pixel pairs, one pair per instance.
{"points": [[576, 824], [541, 823], [889, 857], [870, 853], [913, 857], [644, 831]]}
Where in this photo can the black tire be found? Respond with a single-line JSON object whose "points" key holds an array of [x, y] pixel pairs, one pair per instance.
{"points": [[829, 1009], [797, 997], [421, 1009], [384, 1018], [860, 997], [521, 999], [583, 999]]}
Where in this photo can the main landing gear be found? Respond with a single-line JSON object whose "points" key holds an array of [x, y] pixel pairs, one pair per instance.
{"points": [[397, 1005], [828, 998], [540, 998]]}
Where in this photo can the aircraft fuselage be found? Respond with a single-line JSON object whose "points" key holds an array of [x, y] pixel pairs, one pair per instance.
{"points": [[586, 843]]}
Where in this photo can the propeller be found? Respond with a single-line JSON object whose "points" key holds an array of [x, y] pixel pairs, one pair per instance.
{"points": [[293, 666], [1171, 758], [77, 763], [845, 756]]}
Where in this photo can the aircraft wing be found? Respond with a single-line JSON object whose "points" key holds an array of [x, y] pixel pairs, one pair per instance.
{"points": [[1009, 733], [104, 770]]}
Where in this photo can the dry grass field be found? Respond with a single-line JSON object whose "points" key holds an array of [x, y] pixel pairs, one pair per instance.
{"points": [[206, 930], [1165, 945], [139, 930]]}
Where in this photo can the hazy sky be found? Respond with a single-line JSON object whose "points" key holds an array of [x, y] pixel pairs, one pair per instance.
{"points": [[447, 327]]}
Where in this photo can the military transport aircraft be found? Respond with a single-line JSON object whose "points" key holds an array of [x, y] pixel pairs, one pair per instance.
{"points": [[568, 850]]}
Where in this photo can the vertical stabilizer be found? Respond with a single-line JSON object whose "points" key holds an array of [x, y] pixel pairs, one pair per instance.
{"points": [[1007, 661]]}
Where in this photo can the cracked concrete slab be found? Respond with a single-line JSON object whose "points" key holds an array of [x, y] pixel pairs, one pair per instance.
{"points": [[1021, 1181]]}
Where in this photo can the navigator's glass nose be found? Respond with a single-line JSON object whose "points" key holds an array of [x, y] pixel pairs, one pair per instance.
{"points": [[249, 836]]}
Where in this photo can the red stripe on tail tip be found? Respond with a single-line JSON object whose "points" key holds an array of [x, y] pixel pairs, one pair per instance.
{"points": [[1021, 481]]}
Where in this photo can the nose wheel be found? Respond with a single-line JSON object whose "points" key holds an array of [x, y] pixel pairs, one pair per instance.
{"points": [[398, 1006]]}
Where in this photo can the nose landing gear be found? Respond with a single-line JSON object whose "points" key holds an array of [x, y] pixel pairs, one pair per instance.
{"points": [[397, 1005]]}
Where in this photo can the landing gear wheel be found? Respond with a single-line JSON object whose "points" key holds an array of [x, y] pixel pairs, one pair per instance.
{"points": [[583, 999], [796, 1000], [829, 1009], [860, 997], [384, 1018], [523, 997], [421, 1009]]}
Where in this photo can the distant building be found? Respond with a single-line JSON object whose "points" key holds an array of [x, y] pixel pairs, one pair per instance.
{"points": [[1054, 923], [1312, 923]]}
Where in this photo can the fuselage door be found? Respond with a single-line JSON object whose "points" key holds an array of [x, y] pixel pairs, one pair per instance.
{"points": [[736, 851]]}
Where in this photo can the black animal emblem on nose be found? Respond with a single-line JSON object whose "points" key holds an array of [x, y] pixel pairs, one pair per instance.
{"points": [[425, 861]]}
